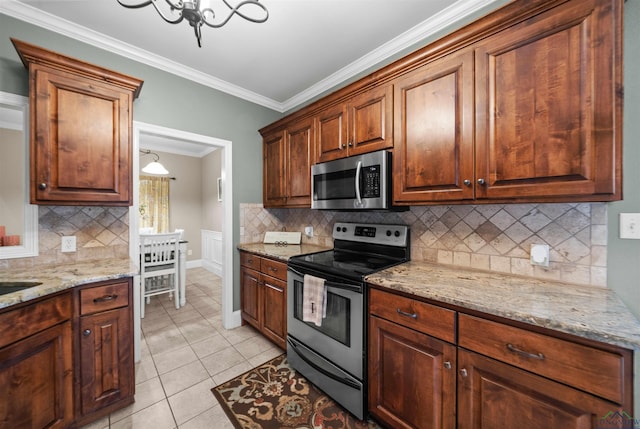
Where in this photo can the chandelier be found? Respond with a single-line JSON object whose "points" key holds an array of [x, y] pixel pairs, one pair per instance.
{"points": [[178, 10]]}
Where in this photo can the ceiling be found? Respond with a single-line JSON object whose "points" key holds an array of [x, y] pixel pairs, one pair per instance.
{"points": [[304, 48]]}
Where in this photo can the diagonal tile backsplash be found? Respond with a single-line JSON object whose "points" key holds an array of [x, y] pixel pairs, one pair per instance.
{"points": [[493, 237]]}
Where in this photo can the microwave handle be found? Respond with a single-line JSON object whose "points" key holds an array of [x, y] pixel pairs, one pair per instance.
{"points": [[358, 168]]}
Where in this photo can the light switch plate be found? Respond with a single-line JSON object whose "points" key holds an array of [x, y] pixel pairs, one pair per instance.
{"points": [[630, 226]]}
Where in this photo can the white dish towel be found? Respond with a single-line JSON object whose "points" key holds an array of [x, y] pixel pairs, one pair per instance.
{"points": [[314, 301]]}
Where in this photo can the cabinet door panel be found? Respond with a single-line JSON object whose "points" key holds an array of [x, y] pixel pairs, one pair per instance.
{"points": [[371, 116], [411, 377], [546, 106], [434, 131], [81, 146], [275, 311], [299, 160], [36, 380], [250, 296], [274, 191], [332, 136], [106, 354], [496, 395]]}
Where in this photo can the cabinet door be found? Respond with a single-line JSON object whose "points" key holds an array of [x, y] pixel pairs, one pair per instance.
{"points": [[250, 296], [492, 394], [412, 379], [299, 157], [274, 293], [433, 151], [331, 126], [549, 105], [274, 186], [81, 143], [36, 380], [371, 120], [106, 359]]}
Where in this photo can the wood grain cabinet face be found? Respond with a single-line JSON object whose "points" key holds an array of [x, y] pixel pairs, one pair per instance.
{"points": [[81, 120], [288, 156], [549, 105], [492, 394], [105, 338], [362, 124], [433, 120], [263, 296], [36, 365]]}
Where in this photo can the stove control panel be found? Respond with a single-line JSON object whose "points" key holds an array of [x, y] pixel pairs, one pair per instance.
{"points": [[390, 235]]}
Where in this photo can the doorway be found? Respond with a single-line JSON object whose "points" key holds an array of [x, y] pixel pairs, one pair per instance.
{"points": [[140, 132]]}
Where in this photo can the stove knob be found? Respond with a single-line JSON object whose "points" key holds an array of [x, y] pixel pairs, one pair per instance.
{"points": [[397, 234], [388, 233], [344, 229], [337, 229]]}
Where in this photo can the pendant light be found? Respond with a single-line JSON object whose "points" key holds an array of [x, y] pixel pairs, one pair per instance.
{"points": [[154, 167]]}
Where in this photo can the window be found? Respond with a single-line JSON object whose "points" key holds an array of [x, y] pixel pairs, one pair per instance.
{"points": [[154, 203]]}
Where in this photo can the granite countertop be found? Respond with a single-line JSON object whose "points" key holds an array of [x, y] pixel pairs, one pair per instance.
{"points": [[56, 278], [589, 312], [281, 252]]}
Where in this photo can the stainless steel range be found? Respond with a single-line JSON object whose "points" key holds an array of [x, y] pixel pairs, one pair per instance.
{"points": [[332, 354]]}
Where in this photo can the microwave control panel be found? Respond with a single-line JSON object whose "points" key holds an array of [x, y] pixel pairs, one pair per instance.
{"points": [[370, 181]]}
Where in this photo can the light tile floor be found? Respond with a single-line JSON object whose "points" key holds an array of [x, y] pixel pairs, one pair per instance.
{"points": [[185, 353]]}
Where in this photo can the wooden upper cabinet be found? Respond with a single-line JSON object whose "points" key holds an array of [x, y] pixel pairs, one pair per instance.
{"points": [[81, 120], [362, 124], [299, 147], [273, 150], [288, 155], [433, 153], [549, 105]]}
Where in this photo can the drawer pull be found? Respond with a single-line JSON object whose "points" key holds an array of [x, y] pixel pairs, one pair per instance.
{"points": [[514, 349], [403, 313], [105, 298]]}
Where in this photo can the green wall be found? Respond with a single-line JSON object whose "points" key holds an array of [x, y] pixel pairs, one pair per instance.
{"points": [[165, 100]]}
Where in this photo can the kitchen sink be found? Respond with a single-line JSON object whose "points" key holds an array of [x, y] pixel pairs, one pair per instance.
{"points": [[15, 286]]}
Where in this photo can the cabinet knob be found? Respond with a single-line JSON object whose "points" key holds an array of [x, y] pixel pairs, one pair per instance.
{"points": [[481, 182], [86, 332], [350, 144], [42, 186], [343, 146], [463, 372], [447, 365], [467, 182]]}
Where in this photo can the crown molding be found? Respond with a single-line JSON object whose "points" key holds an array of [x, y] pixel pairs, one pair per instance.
{"points": [[449, 16]]}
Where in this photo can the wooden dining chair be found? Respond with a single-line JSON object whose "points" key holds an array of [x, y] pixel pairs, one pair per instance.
{"points": [[159, 267]]}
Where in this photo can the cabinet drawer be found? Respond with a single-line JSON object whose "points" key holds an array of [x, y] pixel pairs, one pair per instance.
{"points": [[588, 368], [102, 298], [429, 319], [250, 260], [274, 269]]}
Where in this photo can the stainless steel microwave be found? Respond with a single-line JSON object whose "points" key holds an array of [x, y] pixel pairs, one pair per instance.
{"points": [[355, 183]]}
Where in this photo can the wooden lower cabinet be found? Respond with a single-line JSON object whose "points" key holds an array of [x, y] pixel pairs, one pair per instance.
{"points": [[106, 378], [263, 296], [412, 377], [492, 394], [36, 365], [497, 375]]}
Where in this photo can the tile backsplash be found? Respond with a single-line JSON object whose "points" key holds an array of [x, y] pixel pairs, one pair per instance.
{"points": [[494, 237], [101, 232]]}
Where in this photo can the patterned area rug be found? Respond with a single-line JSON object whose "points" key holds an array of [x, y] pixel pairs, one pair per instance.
{"points": [[274, 395]]}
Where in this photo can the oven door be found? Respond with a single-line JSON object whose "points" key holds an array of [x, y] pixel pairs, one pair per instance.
{"points": [[340, 337]]}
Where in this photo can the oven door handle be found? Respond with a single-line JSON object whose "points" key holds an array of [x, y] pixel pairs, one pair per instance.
{"points": [[352, 288], [323, 371]]}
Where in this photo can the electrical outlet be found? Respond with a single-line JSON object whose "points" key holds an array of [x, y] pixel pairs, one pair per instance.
{"points": [[308, 231], [540, 254], [68, 243], [630, 225]]}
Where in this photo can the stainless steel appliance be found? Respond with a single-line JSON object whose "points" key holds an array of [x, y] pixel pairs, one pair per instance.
{"points": [[353, 183], [333, 355]]}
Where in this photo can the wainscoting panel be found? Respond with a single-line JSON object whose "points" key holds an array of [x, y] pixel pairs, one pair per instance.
{"points": [[212, 250]]}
